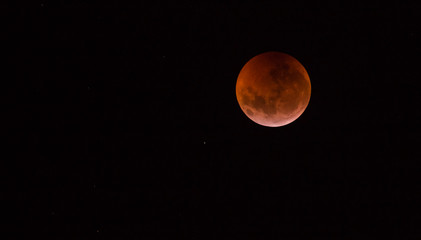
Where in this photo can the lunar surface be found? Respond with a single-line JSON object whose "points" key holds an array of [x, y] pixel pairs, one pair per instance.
{"points": [[273, 89]]}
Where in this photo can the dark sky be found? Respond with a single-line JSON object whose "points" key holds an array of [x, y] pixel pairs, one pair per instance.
{"points": [[124, 123]]}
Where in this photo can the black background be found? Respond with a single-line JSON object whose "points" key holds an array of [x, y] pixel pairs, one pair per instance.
{"points": [[124, 123]]}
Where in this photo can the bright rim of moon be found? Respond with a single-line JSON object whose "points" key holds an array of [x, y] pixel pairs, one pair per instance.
{"points": [[273, 89]]}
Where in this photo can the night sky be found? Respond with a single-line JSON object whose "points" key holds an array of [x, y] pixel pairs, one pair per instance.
{"points": [[124, 124]]}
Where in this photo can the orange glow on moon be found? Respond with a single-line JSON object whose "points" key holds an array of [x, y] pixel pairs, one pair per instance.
{"points": [[273, 89]]}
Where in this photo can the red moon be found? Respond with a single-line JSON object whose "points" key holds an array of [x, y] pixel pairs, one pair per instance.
{"points": [[273, 89]]}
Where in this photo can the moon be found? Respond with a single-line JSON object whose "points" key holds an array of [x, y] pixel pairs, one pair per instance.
{"points": [[273, 89]]}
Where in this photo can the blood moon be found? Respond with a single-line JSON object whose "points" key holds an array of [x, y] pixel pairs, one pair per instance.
{"points": [[273, 89]]}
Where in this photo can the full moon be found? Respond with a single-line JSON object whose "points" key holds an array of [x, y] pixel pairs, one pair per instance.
{"points": [[273, 89]]}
